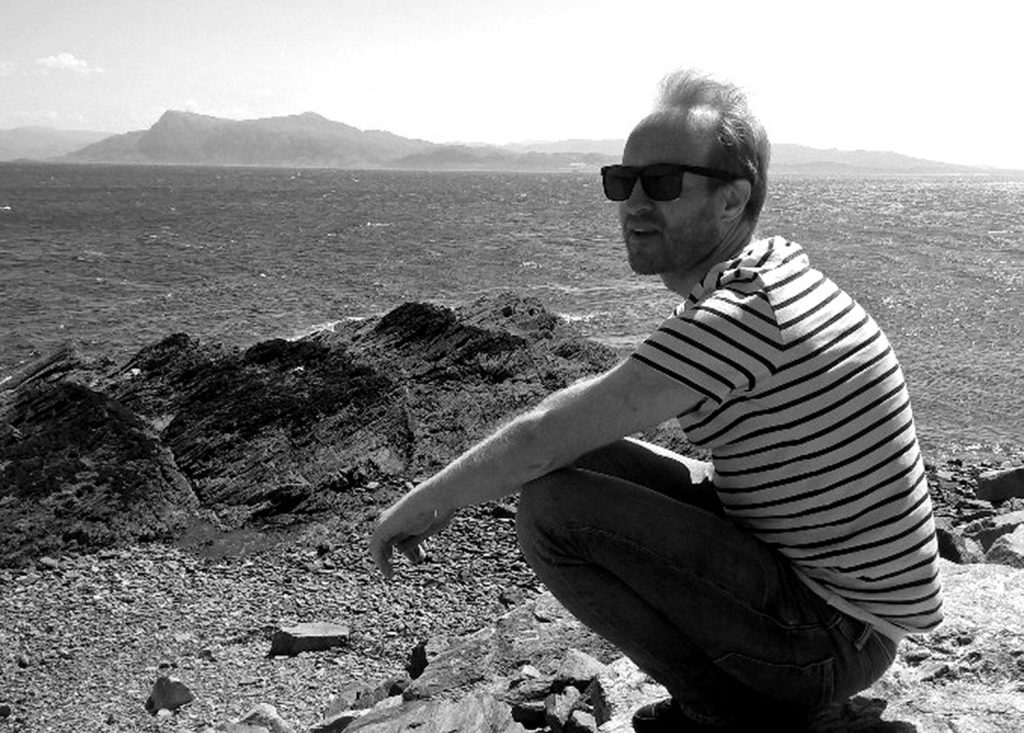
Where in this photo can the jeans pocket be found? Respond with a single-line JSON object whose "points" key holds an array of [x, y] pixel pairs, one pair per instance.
{"points": [[864, 658], [811, 684]]}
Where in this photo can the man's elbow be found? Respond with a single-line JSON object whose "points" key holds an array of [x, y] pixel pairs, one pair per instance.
{"points": [[540, 442]]}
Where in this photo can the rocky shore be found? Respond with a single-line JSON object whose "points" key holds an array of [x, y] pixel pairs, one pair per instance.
{"points": [[168, 522]]}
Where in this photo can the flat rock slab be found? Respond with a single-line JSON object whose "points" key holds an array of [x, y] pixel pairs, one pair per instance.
{"points": [[307, 637]]}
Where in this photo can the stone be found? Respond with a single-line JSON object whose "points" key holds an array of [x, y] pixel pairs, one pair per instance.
{"points": [[478, 712], [540, 632], [265, 716], [168, 693], [5, 710], [559, 706], [577, 669], [998, 486], [307, 637], [987, 531], [581, 722], [337, 721], [618, 691], [1008, 549], [954, 546], [353, 696]]}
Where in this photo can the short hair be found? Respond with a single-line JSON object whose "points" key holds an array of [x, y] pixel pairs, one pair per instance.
{"points": [[743, 143]]}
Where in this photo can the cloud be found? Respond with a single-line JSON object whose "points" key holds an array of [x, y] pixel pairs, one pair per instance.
{"points": [[7, 68], [67, 62]]}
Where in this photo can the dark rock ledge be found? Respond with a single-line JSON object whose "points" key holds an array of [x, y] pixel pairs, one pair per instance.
{"points": [[227, 450]]}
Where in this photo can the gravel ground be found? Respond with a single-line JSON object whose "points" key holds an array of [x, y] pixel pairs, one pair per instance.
{"points": [[80, 643]]}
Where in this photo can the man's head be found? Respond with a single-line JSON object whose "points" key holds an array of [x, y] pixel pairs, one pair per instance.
{"points": [[679, 227]]}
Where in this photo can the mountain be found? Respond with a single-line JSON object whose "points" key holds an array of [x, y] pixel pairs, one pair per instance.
{"points": [[310, 140], [786, 158], [305, 140], [790, 158], [298, 140], [38, 143]]}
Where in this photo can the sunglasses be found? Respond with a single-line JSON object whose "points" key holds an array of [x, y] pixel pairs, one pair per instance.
{"points": [[661, 181]]}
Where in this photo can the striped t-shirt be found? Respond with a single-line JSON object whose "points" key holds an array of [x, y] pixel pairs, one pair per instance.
{"points": [[804, 409]]}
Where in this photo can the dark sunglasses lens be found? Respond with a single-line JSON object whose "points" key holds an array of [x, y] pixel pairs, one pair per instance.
{"points": [[662, 186], [618, 183]]}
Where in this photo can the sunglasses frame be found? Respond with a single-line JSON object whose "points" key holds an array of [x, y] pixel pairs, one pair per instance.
{"points": [[642, 173]]}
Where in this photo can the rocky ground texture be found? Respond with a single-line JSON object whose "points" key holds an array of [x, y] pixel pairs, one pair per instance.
{"points": [[167, 523]]}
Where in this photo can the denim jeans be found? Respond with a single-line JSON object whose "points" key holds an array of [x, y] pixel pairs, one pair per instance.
{"points": [[634, 542]]}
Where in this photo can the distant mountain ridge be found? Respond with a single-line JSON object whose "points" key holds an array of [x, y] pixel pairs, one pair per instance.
{"points": [[311, 140], [40, 143]]}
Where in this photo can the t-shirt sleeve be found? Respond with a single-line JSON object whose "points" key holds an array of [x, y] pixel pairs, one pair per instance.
{"points": [[719, 347]]}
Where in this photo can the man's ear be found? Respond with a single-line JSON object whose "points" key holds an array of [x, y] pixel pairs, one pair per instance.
{"points": [[734, 197]]}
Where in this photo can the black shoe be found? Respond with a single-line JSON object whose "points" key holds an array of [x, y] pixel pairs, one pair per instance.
{"points": [[665, 716]]}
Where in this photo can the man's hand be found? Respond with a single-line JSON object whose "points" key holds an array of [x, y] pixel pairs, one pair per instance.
{"points": [[405, 525]]}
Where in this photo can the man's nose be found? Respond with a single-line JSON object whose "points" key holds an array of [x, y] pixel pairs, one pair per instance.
{"points": [[638, 200]]}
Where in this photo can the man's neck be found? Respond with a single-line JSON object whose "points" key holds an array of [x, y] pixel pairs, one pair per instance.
{"points": [[734, 241]]}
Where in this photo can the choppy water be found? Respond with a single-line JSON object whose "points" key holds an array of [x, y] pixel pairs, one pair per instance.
{"points": [[113, 258]]}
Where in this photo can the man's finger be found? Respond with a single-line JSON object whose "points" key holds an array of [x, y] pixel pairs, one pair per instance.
{"points": [[381, 553], [412, 548]]}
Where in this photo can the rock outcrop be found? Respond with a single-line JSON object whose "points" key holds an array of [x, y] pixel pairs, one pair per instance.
{"points": [[102, 456]]}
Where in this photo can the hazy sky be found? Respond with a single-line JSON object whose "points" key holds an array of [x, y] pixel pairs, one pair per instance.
{"points": [[935, 79]]}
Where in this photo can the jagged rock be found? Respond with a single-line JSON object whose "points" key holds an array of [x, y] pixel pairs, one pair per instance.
{"points": [[559, 706], [954, 546], [986, 531], [168, 693], [337, 721], [580, 721], [577, 669], [307, 637], [539, 631], [618, 691], [353, 696], [265, 716], [78, 469], [478, 712], [998, 486], [104, 455], [1008, 549]]}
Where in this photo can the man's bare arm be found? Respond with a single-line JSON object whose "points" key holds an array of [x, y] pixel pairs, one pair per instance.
{"points": [[563, 427]]}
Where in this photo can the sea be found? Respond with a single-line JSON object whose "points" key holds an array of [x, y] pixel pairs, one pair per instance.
{"points": [[112, 258]]}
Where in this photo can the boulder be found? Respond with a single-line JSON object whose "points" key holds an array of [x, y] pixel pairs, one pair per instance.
{"points": [[1008, 549], [307, 637], [168, 693], [77, 470], [998, 486], [986, 531]]}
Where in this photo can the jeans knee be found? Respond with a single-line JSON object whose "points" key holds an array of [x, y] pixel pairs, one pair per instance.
{"points": [[537, 511]]}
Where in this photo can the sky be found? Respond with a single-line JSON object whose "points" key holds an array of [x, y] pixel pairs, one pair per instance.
{"points": [[938, 80]]}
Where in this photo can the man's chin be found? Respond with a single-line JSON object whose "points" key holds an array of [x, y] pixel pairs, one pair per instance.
{"points": [[642, 265]]}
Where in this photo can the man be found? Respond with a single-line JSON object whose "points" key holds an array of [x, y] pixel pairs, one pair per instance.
{"points": [[779, 577]]}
